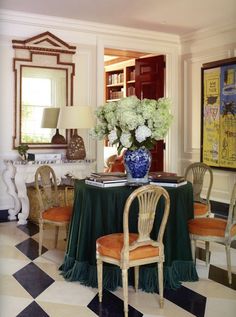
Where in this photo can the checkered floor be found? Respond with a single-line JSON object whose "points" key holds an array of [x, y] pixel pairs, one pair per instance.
{"points": [[31, 286]]}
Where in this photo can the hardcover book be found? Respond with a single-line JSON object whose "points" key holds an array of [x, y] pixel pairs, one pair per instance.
{"points": [[166, 184], [108, 177], [104, 184], [111, 174], [166, 178]]}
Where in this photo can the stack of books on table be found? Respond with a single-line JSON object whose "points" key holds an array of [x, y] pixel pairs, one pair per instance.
{"points": [[115, 179], [166, 179]]}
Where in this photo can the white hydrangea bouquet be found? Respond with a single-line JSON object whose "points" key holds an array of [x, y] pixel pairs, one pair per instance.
{"points": [[132, 123]]}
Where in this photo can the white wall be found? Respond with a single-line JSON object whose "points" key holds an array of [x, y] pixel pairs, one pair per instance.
{"points": [[184, 60], [90, 40], [199, 48]]}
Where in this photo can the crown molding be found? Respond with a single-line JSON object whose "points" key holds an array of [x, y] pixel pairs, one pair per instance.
{"points": [[17, 17], [205, 33]]}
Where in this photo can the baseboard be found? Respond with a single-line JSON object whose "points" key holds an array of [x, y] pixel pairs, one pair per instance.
{"points": [[3, 215]]}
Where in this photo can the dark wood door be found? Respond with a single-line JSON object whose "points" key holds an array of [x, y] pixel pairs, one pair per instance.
{"points": [[149, 83]]}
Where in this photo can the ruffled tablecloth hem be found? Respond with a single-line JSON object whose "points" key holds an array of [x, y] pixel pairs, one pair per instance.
{"points": [[86, 274]]}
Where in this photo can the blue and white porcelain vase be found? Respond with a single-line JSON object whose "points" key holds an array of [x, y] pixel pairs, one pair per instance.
{"points": [[137, 164]]}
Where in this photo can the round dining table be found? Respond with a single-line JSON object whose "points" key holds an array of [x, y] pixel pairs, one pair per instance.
{"points": [[99, 211]]}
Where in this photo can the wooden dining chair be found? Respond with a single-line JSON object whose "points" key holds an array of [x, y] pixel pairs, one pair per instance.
{"points": [[197, 173], [50, 211], [134, 249], [217, 230]]}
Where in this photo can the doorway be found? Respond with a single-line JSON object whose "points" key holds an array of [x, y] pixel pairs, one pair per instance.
{"points": [[130, 73]]}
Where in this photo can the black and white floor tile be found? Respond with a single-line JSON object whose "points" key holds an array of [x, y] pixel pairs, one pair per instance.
{"points": [[31, 286]]}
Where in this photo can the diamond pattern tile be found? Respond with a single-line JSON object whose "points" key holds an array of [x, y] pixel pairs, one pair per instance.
{"points": [[39, 298], [201, 254], [221, 276], [187, 299], [30, 248], [111, 306], [33, 279], [233, 244], [33, 310], [30, 228]]}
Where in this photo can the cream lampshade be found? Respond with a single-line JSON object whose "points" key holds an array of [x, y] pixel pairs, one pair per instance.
{"points": [[49, 121], [76, 117]]}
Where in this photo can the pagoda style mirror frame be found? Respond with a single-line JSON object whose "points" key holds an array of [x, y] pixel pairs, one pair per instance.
{"points": [[47, 52]]}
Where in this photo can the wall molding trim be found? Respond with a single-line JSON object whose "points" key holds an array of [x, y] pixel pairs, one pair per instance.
{"points": [[208, 32], [83, 26]]}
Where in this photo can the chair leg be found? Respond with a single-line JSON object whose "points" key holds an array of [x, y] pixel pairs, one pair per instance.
{"points": [[67, 232], [125, 290], [228, 259], [99, 275], [193, 249], [136, 277], [40, 237], [56, 237], [207, 248], [160, 284]]}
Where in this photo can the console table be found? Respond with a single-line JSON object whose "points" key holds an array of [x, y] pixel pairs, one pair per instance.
{"points": [[18, 174]]}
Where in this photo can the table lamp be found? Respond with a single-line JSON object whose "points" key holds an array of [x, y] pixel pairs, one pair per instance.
{"points": [[76, 117], [49, 121]]}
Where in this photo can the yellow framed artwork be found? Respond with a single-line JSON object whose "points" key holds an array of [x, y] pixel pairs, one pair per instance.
{"points": [[218, 118]]}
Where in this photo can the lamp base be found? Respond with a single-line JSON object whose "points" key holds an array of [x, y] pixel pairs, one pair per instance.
{"points": [[58, 138], [76, 148]]}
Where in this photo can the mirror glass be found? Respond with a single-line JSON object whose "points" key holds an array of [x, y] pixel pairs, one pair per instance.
{"points": [[44, 72], [40, 88]]}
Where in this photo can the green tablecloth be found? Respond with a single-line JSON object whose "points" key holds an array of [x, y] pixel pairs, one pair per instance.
{"points": [[99, 211]]}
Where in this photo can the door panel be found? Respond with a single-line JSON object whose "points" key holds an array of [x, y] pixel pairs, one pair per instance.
{"points": [[149, 83]]}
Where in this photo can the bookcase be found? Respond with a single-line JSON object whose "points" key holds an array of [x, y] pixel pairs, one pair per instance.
{"points": [[130, 80], [120, 80], [114, 84]]}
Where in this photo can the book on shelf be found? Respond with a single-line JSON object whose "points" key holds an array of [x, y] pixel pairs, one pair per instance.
{"points": [[104, 184], [166, 184]]}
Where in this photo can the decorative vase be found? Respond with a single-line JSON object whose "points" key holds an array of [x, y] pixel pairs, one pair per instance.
{"points": [[137, 164]]}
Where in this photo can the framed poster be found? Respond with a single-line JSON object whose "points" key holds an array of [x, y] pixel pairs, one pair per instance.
{"points": [[218, 115]]}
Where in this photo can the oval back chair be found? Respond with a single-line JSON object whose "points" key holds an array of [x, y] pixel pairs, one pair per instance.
{"points": [[196, 173], [134, 249], [217, 230], [50, 211]]}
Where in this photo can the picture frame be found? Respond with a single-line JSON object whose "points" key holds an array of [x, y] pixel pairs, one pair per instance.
{"points": [[218, 114]]}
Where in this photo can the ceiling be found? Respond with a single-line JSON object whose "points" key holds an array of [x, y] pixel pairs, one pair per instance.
{"points": [[172, 16]]}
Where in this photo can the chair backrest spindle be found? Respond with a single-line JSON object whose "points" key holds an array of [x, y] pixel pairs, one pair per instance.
{"points": [[147, 205], [46, 186]]}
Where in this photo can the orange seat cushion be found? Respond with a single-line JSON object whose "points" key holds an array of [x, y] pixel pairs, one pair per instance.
{"points": [[117, 167], [233, 230], [59, 214], [207, 227], [200, 209], [111, 246]]}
